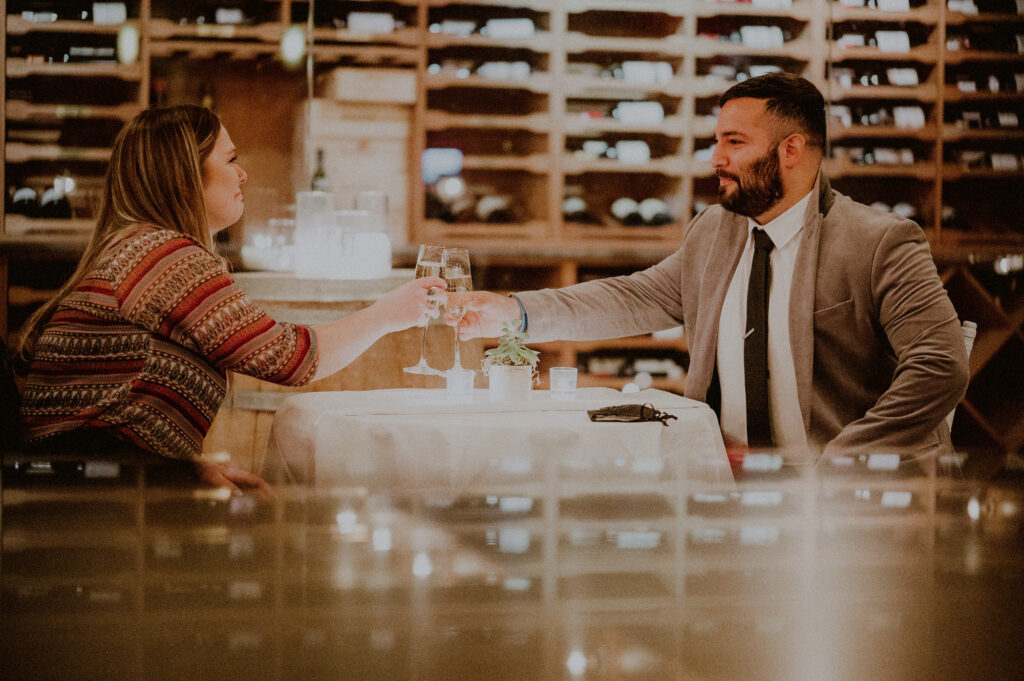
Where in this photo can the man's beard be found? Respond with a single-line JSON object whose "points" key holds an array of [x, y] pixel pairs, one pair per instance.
{"points": [[759, 188]]}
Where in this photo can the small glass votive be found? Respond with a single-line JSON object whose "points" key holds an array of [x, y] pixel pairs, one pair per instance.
{"points": [[459, 384], [562, 381]]}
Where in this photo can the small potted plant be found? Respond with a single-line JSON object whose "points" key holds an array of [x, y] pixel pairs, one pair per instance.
{"points": [[511, 367]]}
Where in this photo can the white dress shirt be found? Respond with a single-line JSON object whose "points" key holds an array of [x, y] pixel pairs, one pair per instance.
{"points": [[787, 421]]}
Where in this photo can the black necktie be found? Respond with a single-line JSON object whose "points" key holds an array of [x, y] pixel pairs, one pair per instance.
{"points": [[755, 345]]}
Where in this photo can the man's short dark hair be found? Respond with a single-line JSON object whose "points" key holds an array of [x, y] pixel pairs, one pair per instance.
{"points": [[789, 97]]}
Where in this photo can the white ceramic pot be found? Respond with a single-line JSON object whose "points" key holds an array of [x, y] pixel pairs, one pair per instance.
{"points": [[509, 383]]}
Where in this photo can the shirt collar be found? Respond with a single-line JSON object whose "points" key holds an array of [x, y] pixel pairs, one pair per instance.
{"points": [[786, 226]]}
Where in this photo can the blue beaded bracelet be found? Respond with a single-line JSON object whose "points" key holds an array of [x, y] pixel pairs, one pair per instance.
{"points": [[522, 311]]}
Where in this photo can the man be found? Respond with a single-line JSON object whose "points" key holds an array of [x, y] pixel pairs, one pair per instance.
{"points": [[863, 348]]}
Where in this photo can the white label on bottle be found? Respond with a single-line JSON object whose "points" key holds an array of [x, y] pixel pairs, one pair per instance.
{"points": [[966, 86], [896, 499], [639, 72], [515, 504], [894, 5], [633, 152], [109, 13], [638, 539], [1020, 43], [904, 77], [911, 117], [513, 540], [1008, 119], [370, 22], [883, 462], [228, 15], [1005, 162], [893, 41], [223, 31], [517, 584], [762, 463], [764, 37], [510, 29], [640, 113], [1020, 6], [887, 156], [963, 6]]}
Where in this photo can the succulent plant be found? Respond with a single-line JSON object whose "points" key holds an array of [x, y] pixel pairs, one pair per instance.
{"points": [[511, 349]]}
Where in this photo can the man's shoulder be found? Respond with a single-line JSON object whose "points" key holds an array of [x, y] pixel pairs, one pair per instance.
{"points": [[846, 208], [848, 217]]}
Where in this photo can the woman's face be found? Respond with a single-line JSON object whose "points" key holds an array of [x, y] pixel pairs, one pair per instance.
{"points": [[222, 184]]}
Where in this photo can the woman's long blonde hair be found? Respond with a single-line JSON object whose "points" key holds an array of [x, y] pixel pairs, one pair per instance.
{"points": [[155, 177]]}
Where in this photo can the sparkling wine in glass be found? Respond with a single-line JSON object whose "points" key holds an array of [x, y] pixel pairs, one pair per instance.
{"points": [[457, 273], [429, 263]]}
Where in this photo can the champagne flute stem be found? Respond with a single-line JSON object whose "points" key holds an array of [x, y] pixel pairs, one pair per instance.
{"points": [[423, 345], [458, 360]]}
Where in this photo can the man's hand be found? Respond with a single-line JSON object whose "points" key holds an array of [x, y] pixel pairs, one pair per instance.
{"points": [[485, 313]]}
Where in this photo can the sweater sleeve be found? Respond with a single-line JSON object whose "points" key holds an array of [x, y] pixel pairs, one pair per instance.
{"points": [[171, 286]]}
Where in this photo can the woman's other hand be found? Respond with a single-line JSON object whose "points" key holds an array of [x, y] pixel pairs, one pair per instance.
{"points": [[235, 479]]}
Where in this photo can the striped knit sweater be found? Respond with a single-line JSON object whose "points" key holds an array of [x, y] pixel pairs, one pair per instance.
{"points": [[142, 345]]}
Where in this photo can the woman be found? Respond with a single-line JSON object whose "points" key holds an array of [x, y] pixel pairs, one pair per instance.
{"points": [[136, 345]]}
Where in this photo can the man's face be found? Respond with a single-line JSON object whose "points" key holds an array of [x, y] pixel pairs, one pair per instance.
{"points": [[746, 159]]}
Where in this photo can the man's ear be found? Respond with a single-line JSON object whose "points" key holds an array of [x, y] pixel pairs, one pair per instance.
{"points": [[791, 149]]}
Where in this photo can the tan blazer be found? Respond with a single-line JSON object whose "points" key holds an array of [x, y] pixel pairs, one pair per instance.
{"points": [[877, 346]]}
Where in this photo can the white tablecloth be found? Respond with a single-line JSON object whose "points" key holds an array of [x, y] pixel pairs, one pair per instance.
{"points": [[417, 439]]}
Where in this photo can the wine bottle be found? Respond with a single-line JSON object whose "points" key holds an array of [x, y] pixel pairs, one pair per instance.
{"points": [[627, 212], [25, 202], [493, 208], [206, 95], [574, 209], [319, 183], [54, 204], [654, 212]]}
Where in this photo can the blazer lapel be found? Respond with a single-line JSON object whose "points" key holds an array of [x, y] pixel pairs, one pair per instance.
{"points": [[802, 295], [721, 262]]}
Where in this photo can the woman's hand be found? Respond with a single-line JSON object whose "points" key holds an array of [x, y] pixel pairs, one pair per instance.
{"points": [[411, 304], [235, 479], [485, 313]]}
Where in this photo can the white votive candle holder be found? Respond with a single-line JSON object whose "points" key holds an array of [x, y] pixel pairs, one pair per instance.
{"points": [[562, 381], [459, 384]]}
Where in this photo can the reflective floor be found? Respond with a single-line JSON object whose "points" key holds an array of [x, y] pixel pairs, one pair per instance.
{"points": [[573, 569]]}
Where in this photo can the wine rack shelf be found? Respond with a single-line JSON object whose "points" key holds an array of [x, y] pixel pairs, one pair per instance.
{"points": [[527, 90]]}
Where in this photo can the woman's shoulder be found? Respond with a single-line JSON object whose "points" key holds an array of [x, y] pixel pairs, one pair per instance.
{"points": [[148, 244], [150, 236]]}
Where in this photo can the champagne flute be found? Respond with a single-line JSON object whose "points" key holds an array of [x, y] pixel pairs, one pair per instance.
{"points": [[455, 271], [429, 263]]}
